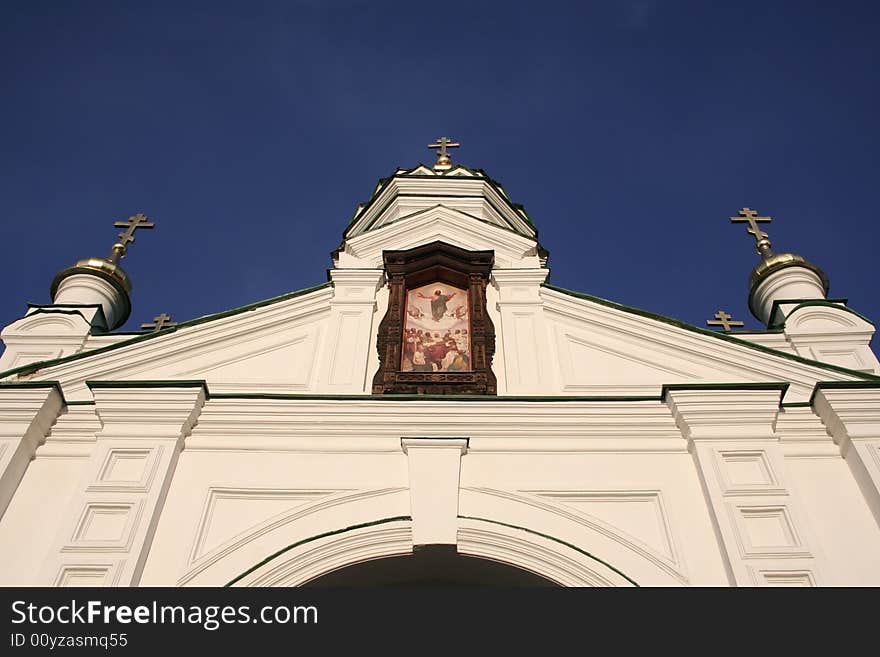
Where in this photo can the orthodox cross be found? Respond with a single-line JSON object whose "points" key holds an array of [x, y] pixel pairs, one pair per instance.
{"points": [[159, 322], [132, 224], [724, 321], [749, 216], [443, 160]]}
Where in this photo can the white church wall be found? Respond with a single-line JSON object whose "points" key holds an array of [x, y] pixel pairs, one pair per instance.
{"points": [[643, 514], [264, 464], [29, 525], [229, 509], [846, 531]]}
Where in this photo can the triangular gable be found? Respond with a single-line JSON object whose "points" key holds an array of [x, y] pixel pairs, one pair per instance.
{"points": [[608, 348], [270, 344], [440, 223], [369, 215]]}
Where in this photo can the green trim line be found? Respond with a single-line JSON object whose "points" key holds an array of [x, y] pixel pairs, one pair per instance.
{"points": [[151, 383], [803, 303], [805, 404], [34, 384], [449, 398], [842, 385], [64, 305], [781, 386], [715, 334], [80, 403], [757, 332], [33, 367], [557, 540], [272, 556], [49, 310]]}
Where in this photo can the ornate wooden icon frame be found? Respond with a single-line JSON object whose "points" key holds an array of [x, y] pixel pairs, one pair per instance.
{"points": [[431, 263]]}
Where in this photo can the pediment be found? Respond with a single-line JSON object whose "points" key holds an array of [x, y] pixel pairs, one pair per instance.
{"points": [[272, 348], [409, 192], [606, 349], [444, 224]]}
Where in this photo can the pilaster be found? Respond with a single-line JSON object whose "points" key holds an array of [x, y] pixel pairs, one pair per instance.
{"points": [[112, 516], [525, 344], [347, 345], [731, 432], [27, 412], [851, 413], [434, 469]]}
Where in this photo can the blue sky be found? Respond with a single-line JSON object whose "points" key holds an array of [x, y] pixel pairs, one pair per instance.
{"points": [[249, 132]]}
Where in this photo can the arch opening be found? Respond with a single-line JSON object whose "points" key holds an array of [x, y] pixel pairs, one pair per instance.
{"points": [[430, 565]]}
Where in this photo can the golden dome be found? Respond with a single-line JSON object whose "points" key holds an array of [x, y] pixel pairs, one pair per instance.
{"points": [[779, 261]]}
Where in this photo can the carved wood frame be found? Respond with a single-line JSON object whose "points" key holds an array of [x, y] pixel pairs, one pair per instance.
{"points": [[430, 263]]}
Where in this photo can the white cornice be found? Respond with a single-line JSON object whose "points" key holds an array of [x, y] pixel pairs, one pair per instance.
{"points": [[725, 414], [148, 412], [849, 413], [377, 426]]}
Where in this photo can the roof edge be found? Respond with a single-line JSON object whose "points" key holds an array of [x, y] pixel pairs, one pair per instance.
{"points": [[39, 365], [718, 336]]}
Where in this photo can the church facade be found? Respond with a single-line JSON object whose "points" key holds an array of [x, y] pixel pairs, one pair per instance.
{"points": [[436, 412]]}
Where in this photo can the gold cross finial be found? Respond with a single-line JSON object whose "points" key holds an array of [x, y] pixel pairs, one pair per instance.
{"points": [[159, 322], [443, 163], [724, 321], [749, 216], [131, 224]]}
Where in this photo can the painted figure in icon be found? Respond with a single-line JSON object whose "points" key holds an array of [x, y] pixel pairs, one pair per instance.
{"points": [[435, 334], [438, 303]]}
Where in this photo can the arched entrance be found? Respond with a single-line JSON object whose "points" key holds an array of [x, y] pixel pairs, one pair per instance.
{"points": [[430, 565]]}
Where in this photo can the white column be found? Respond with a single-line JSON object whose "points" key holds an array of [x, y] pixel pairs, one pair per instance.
{"points": [[760, 525], [347, 345], [852, 417], [27, 412], [111, 518], [526, 349], [434, 469]]}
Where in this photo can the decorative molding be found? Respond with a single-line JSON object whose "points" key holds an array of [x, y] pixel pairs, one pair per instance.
{"points": [[282, 524], [732, 434], [310, 558], [143, 421], [668, 552], [89, 573], [105, 527], [548, 502], [297, 498], [116, 476], [434, 466]]}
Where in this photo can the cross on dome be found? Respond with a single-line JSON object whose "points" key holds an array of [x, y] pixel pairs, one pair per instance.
{"points": [[444, 162]]}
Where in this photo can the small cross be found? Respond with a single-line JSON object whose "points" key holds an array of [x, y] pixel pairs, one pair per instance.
{"points": [[131, 224], [724, 321], [749, 216], [159, 322], [443, 160]]}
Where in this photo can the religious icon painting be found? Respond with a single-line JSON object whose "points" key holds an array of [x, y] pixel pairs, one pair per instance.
{"points": [[436, 331], [436, 337]]}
